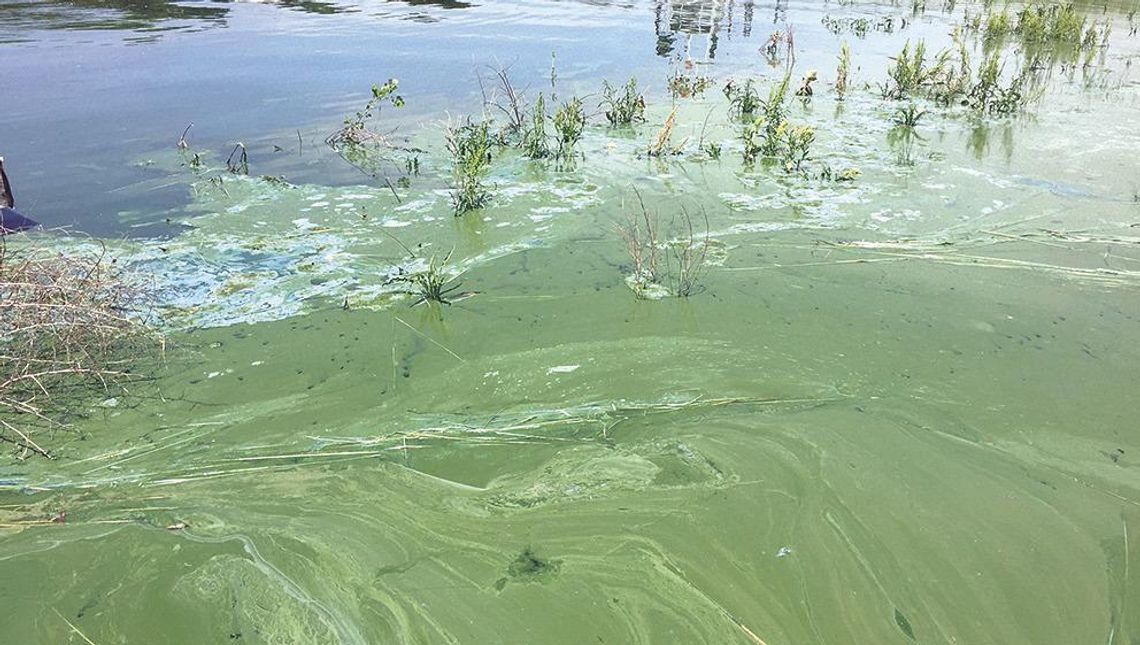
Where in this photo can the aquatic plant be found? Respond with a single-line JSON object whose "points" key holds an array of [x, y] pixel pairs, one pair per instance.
{"points": [[355, 130], [842, 70], [1059, 23], [989, 96], [908, 116], [685, 85], [660, 146], [569, 124], [182, 143], [998, 26], [797, 146], [778, 40], [534, 142], [672, 266], [506, 99], [431, 284], [238, 161], [623, 108], [907, 73], [72, 327], [827, 173], [912, 75], [195, 162], [365, 149], [805, 89], [763, 136], [861, 26], [771, 136], [470, 146], [743, 99]]}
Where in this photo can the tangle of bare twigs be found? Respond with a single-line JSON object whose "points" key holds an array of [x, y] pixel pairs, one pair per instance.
{"points": [[69, 331]]}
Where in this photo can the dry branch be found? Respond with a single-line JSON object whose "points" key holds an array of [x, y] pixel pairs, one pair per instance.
{"points": [[70, 330]]}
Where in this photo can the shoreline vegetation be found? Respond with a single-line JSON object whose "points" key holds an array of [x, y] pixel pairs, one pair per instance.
{"points": [[73, 329]]}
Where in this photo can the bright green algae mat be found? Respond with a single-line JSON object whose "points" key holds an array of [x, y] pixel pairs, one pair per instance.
{"points": [[898, 410]]}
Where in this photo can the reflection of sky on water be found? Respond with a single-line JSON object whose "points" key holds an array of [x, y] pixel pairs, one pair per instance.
{"points": [[96, 88]]}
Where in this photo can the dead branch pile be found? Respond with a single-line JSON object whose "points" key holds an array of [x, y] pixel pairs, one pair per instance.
{"points": [[69, 334]]}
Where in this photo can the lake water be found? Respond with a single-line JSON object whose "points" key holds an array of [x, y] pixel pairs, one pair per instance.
{"points": [[895, 409]]}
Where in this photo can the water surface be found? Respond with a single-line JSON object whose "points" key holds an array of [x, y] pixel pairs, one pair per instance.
{"points": [[897, 409]]}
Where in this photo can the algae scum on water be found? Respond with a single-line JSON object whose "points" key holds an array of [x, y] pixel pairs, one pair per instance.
{"points": [[559, 322]]}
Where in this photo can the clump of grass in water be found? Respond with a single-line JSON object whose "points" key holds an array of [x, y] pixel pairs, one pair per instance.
{"points": [[908, 116], [470, 147], [988, 96], [842, 70], [744, 100], [908, 73], [911, 75], [624, 108], [1045, 31], [534, 141], [433, 283], [664, 267], [569, 125]]}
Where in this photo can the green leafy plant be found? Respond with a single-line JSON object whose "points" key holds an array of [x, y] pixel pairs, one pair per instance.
{"points": [[771, 136], [763, 136], [797, 146], [911, 74], [534, 141], [470, 146], [569, 125], [989, 96], [743, 99], [625, 107], [355, 129], [908, 116]]}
